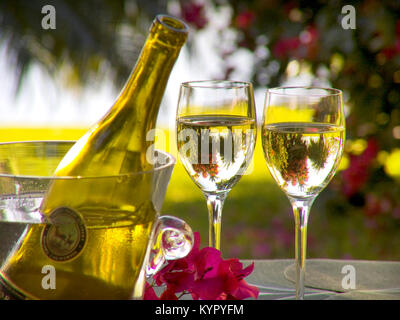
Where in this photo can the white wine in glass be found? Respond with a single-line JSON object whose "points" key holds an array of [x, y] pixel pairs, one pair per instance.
{"points": [[303, 136], [223, 142], [216, 134]]}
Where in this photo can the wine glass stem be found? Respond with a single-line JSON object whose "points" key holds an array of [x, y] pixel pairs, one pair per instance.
{"points": [[301, 210], [215, 202]]}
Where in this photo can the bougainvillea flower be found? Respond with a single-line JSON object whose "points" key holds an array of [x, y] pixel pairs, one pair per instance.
{"points": [[285, 47], [226, 283], [357, 174], [180, 273], [245, 19], [204, 275], [194, 13], [169, 294], [149, 293]]}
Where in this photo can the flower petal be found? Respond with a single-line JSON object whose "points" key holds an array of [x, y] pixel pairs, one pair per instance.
{"points": [[168, 294], [244, 290], [207, 262], [149, 293], [207, 289]]}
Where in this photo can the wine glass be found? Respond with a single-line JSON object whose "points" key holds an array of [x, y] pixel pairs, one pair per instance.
{"points": [[216, 134], [303, 136]]}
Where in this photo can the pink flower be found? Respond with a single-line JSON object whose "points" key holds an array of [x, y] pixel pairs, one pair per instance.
{"points": [[168, 294], [194, 13], [302, 46], [149, 293], [179, 274], [228, 284], [357, 174], [224, 282], [286, 46], [204, 275], [245, 19]]}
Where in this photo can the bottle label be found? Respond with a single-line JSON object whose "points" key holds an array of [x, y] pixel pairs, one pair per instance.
{"points": [[65, 237]]}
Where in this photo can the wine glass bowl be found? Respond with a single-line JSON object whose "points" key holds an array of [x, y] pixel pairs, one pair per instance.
{"points": [[303, 135], [216, 133]]}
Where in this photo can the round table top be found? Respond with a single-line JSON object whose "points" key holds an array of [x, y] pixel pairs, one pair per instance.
{"points": [[327, 279]]}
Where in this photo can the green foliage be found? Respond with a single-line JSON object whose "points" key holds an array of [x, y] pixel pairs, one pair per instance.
{"points": [[87, 34], [364, 62]]}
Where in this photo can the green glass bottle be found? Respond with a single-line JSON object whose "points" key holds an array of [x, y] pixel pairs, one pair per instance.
{"points": [[100, 223], [117, 143]]}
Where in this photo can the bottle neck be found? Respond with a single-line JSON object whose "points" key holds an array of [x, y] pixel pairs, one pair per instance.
{"points": [[151, 75], [145, 88], [136, 109], [120, 136]]}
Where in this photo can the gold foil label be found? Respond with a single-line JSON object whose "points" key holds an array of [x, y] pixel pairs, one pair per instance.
{"points": [[65, 237]]}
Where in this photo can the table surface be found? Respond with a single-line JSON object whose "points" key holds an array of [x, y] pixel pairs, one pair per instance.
{"points": [[327, 279]]}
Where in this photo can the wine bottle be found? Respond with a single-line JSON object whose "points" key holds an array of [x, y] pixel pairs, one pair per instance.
{"points": [[99, 223], [117, 143]]}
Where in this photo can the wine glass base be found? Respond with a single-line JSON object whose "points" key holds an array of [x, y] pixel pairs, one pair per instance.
{"points": [[273, 283]]}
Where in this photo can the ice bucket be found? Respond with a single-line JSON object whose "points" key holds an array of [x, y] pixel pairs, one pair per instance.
{"points": [[103, 249]]}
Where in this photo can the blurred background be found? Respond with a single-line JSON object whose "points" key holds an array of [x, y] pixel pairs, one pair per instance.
{"points": [[55, 83]]}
